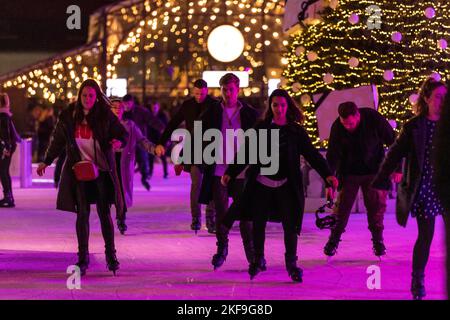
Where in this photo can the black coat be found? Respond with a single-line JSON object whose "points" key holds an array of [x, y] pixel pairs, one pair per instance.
{"points": [[374, 132], [212, 119], [154, 133], [145, 120], [410, 145], [71, 193], [299, 145], [189, 112], [8, 134]]}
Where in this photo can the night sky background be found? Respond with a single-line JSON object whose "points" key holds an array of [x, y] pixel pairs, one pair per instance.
{"points": [[41, 25]]}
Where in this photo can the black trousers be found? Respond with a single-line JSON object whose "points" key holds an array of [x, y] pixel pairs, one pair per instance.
{"points": [[98, 192], [142, 161], [266, 200], [425, 236], [5, 177], [220, 199]]}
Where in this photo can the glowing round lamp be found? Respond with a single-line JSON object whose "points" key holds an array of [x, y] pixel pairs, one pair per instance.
{"points": [[225, 43]]}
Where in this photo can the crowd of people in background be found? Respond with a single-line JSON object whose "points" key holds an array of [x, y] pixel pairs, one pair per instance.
{"points": [[116, 134]]}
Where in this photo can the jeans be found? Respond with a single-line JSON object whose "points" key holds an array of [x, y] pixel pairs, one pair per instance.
{"points": [[196, 183], [374, 200]]}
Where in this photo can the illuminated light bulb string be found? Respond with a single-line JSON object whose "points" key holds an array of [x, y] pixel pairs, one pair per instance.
{"points": [[158, 28], [347, 54]]}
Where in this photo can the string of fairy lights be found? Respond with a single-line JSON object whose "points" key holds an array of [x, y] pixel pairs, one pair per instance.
{"points": [[341, 52], [172, 34], [61, 78]]}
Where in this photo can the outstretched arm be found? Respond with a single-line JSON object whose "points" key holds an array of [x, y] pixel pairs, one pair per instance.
{"points": [[393, 159], [143, 142]]}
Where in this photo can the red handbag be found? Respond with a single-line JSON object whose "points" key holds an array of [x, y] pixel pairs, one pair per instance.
{"points": [[85, 171], [178, 169]]}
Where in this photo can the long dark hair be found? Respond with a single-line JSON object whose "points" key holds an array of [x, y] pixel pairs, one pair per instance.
{"points": [[293, 113], [98, 114], [427, 88]]}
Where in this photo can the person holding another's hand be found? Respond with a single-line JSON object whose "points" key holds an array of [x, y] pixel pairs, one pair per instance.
{"points": [[278, 197], [89, 131]]}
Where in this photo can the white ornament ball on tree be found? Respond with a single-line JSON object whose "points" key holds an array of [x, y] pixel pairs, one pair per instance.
{"points": [[353, 19], [296, 87], [388, 75], [305, 99], [328, 78], [413, 98], [312, 56], [397, 37], [300, 50], [443, 44], [430, 13], [436, 76], [353, 62]]}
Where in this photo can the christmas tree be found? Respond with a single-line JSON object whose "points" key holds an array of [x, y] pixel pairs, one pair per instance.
{"points": [[392, 44]]}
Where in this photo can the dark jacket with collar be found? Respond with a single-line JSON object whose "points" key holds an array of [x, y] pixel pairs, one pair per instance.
{"points": [[299, 144], [71, 193], [212, 119], [409, 145], [189, 112]]}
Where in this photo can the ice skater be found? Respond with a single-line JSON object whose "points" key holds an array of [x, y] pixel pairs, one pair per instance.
{"points": [[88, 132], [417, 190], [278, 197], [8, 144], [191, 110], [355, 152], [228, 114], [125, 159], [146, 122]]}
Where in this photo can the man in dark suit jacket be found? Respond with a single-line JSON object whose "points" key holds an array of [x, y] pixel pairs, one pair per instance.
{"points": [[229, 113], [191, 110]]}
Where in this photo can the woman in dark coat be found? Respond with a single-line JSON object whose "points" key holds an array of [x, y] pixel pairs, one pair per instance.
{"points": [[8, 144], [417, 190], [89, 131], [442, 172], [277, 197]]}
